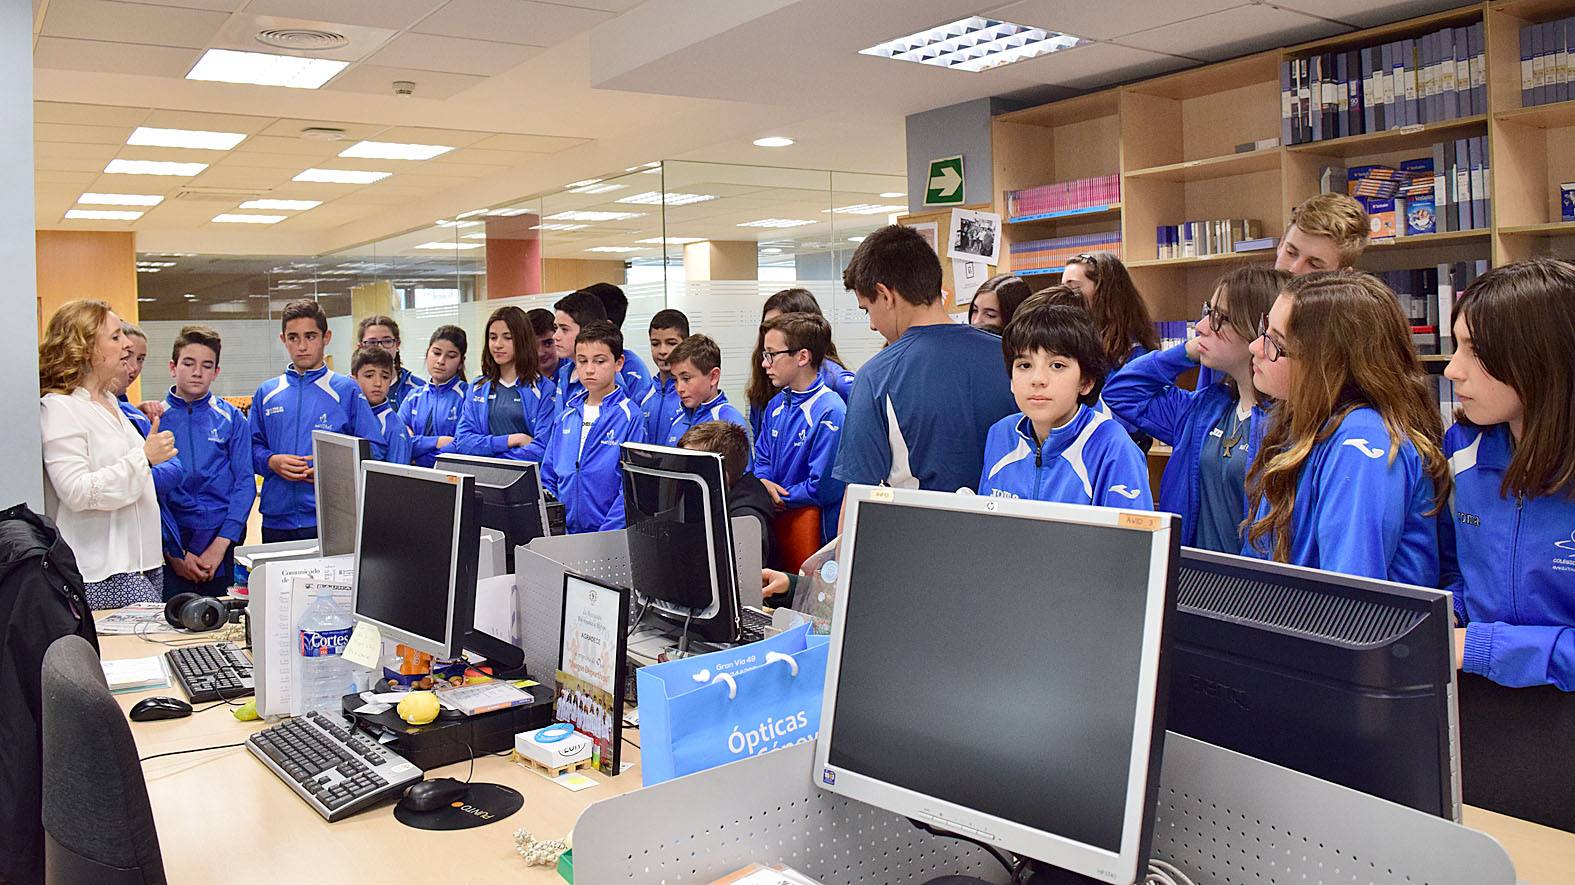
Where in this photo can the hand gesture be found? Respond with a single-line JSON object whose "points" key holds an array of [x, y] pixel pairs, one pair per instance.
{"points": [[777, 493], [295, 468], [160, 445]]}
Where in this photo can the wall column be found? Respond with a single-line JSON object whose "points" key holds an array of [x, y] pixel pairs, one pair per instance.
{"points": [[22, 480]]}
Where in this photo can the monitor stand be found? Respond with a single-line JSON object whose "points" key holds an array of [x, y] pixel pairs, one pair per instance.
{"points": [[507, 660], [1035, 874]]}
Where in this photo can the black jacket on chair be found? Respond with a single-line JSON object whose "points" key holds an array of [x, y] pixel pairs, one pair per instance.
{"points": [[41, 600], [748, 497]]}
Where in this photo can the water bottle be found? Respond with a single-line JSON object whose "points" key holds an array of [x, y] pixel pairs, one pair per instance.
{"points": [[325, 675]]}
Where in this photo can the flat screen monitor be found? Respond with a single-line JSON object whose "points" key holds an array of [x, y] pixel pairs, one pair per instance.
{"points": [[680, 538], [336, 460], [1347, 679], [511, 497], [415, 561], [995, 668]]}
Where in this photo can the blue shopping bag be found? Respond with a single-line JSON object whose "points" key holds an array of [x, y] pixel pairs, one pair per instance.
{"points": [[704, 711]]}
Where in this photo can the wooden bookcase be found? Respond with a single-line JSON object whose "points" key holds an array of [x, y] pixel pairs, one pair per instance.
{"points": [[1173, 140]]}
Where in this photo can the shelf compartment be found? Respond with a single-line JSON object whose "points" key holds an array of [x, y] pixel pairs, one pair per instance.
{"points": [[1405, 139], [1225, 166], [1085, 212]]}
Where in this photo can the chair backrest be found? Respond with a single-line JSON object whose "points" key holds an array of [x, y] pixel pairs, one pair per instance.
{"points": [[98, 824]]}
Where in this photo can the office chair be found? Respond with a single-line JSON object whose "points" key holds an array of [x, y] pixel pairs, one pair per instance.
{"points": [[98, 824]]}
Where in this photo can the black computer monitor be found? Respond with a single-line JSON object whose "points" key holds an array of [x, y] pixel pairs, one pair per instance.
{"points": [[996, 669], [1347, 679], [681, 556], [415, 560], [336, 459], [511, 497]]}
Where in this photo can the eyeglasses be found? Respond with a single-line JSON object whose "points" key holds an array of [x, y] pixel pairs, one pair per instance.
{"points": [[379, 342], [767, 357], [1217, 318], [1272, 350]]}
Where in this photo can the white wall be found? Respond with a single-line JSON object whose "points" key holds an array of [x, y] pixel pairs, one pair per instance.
{"points": [[21, 468]]}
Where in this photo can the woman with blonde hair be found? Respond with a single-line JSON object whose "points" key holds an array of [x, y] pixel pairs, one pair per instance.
{"points": [[1351, 474], [98, 469]]}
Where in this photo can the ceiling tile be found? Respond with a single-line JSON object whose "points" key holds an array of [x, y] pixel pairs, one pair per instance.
{"points": [[1107, 18], [241, 177], [378, 80], [170, 155], [102, 153], [59, 163], [396, 14], [294, 147], [540, 144], [131, 23], [218, 5], [481, 157], [511, 21], [81, 134], [56, 53], [1237, 32], [1366, 13], [80, 180], [1098, 64], [458, 170], [205, 121], [291, 128], [429, 52], [264, 160], [87, 114]]}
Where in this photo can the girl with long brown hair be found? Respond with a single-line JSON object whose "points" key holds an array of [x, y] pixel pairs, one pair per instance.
{"points": [[1126, 330], [1351, 473], [760, 389], [1509, 550], [511, 405]]}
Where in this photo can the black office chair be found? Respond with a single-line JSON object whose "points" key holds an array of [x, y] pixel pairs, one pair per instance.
{"points": [[98, 824]]}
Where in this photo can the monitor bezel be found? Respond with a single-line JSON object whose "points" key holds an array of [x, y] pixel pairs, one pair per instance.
{"points": [[1147, 739], [362, 449], [449, 645], [524, 468], [724, 566]]}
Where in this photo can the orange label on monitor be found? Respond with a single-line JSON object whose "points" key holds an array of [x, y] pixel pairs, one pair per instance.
{"points": [[453, 479], [1145, 521]]}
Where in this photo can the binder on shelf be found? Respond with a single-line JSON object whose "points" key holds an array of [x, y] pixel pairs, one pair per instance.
{"points": [[1342, 104], [1369, 111], [1443, 184], [1353, 90], [1388, 78], [1413, 100], [1287, 137], [1460, 168], [1482, 212], [1477, 65], [1528, 56], [1539, 63]]}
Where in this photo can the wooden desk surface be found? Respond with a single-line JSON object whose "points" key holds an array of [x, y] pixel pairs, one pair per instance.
{"points": [[223, 817]]}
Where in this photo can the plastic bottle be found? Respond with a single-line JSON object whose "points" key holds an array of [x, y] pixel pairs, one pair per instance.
{"points": [[321, 637]]}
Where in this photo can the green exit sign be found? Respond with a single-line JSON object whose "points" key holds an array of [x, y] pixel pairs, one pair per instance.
{"points": [[944, 187]]}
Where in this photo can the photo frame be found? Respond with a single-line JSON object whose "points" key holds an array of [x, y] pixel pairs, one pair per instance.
{"points": [[593, 665]]}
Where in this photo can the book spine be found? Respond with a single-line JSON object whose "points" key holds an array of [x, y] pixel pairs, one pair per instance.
{"points": [[1539, 64], [1460, 170], [1484, 191], [1426, 83], [1315, 109], [1392, 107], [1286, 136], [1561, 60], [1413, 98], [1461, 49], [1441, 189], [1353, 93], [1445, 293], [1342, 103], [1368, 119], [1331, 97]]}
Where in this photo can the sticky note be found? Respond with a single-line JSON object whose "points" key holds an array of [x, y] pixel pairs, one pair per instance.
{"points": [[573, 781], [365, 647]]}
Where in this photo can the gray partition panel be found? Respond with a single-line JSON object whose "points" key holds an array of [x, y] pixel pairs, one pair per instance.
{"points": [[538, 589]]}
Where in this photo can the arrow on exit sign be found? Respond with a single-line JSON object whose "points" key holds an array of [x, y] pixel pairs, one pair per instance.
{"points": [[944, 187]]}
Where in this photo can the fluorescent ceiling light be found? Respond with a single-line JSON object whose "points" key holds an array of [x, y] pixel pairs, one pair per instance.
{"points": [[613, 249], [472, 213], [449, 246], [265, 69], [584, 182], [443, 222], [144, 300], [974, 44], [236, 218], [155, 264], [196, 139], [777, 222], [855, 239], [644, 167], [189, 295], [892, 195], [102, 214], [293, 205], [341, 176], [577, 215], [120, 199], [596, 188], [773, 141], [559, 227], [771, 251], [653, 198], [390, 150], [148, 270], [866, 209], [673, 241], [478, 235], [507, 213], [152, 167]]}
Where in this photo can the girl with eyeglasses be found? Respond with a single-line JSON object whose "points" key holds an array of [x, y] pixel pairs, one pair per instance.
{"points": [[1214, 430], [381, 331], [1351, 474]]}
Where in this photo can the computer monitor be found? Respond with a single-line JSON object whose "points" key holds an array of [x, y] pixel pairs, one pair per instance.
{"points": [[1347, 679], [415, 559], [511, 497], [996, 670], [336, 460], [680, 539]]}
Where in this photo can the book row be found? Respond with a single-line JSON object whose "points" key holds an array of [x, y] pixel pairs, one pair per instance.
{"points": [[1044, 255], [1546, 64], [1192, 239], [1064, 196]]}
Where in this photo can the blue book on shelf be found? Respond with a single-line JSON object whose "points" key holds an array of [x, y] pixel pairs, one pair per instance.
{"points": [[1285, 103], [1460, 164], [1527, 56], [1485, 215], [1442, 184], [1341, 75], [1477, 59], [1368, 121], [1420, 216], [1458, 102], [1392, 109]]}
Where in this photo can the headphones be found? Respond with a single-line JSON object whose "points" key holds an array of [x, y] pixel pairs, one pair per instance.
{"points": [[198, 613]]}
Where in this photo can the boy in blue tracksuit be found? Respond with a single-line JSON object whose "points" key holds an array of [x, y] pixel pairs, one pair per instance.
{"points": [[373, 369], [432, 410], [798, 440], [509, 411], [696, 365], [571, 313], [1057, 448], [206, 512], [582, 464], [1508, 546], [285, 410], [661, 404]]}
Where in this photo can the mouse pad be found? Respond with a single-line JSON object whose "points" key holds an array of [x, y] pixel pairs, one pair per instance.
{"points": [[484, 804]]}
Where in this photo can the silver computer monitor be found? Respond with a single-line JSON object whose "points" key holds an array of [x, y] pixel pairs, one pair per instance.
{"points": [[415, 559], [336, 460], [994, 668]]}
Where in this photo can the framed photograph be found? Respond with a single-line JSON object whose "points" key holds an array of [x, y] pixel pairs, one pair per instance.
{"points": [[929, 230], [975, 236], [592, 665]]}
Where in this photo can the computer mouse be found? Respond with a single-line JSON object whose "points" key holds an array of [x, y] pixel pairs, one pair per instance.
{"points": [[433, 794], [149, 709]]}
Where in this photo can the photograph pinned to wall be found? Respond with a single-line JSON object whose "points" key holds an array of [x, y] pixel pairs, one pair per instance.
{"points": [[975, 236], [929, 231], [968, 276], [592, 667]]}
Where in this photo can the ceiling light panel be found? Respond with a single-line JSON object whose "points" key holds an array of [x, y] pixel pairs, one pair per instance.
{"points": [[153, 167], [194, 139], [777, 222], [673, 241], [102, 215], [559, 226], [774, 141], [291, 205], [578, 215], [237, 218], [265, 69], [619, 249], [866, 209], [974, 44], [653, 198], [596, 188], [120, 199], [390, 150], [341, 176]]}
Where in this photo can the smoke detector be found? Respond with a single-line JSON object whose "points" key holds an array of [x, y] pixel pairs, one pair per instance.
{"points": [[322, 133], [302, 39], [404, 87]]}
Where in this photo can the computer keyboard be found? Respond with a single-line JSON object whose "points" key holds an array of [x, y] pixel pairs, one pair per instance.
{"points": [[216, 671], [752, 624], [337, 771]]}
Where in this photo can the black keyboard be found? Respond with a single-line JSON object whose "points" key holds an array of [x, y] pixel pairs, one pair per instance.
{"points": [[337, 771], [752, 624], [217, 671]]}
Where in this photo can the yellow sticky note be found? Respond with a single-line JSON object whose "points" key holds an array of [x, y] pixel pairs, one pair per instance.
{"points": [[365, 647]]}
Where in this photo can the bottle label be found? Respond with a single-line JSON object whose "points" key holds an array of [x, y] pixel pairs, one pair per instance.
{"points": [[323, 643]]}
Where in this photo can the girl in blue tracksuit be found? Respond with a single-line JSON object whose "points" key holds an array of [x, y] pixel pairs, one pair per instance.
{"points": [[382, 331], [1509, 545], [581, 467], [1057, 448], [509, 409], [1215, 430], [1350, 476], [761, 391], [1121, 317], [432, 411]]}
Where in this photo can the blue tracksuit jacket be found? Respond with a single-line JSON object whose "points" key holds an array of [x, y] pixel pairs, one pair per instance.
{"points": [[406, 384], [168, 474], [431, 411], [216, 487], [832, 374], [797, 448], [1088, 460], [1511, 564], [660, 406], [395, 435], [633, 379], [285, 410], [1361, 508], [1143, 393], [473, 435], [718, 409], [589, 482]]}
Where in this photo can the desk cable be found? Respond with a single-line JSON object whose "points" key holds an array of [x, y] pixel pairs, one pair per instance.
{"points": [[193, 750]]}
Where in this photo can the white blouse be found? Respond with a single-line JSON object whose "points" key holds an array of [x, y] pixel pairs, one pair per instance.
{"points": [[99, 487]]}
